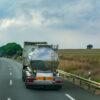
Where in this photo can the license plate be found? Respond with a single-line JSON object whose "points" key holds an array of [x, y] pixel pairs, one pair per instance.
{"points": [[39, 78], [49, 78]]}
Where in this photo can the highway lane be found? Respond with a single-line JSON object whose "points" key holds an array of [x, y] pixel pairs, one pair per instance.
{"points": [[12, 87]]}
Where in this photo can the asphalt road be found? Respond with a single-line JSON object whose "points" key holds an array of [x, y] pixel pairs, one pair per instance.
{"points": [[13, 88]]}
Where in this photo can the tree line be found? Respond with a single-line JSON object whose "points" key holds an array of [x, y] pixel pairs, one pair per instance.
{"points": [[11, 49]]}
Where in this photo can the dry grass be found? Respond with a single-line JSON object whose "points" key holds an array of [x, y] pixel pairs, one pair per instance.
{"points": [[80, 62]]}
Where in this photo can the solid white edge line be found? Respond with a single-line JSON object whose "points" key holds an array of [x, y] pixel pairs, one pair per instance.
{"points": [[10, 82], [70, 97], [9, 99]]}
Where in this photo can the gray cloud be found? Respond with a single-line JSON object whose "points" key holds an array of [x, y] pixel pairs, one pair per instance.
{"points": [[70, 23]]}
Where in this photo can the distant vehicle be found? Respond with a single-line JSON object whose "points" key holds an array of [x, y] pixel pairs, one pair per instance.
{"points": [[40, 62]]}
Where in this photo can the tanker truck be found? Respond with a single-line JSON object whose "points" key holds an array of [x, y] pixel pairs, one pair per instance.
{"points": [[40, 63]]}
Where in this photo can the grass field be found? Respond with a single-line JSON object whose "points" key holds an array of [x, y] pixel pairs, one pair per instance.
{"points": [[80, 62]]}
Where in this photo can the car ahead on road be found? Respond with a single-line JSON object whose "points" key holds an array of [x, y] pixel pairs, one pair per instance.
{"points": [[40, 62]]}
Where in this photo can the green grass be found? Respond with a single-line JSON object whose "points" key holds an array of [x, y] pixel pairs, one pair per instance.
{"points": [[79, 51]]}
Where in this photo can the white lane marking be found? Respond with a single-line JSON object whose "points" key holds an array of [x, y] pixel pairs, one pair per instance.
{"points": [[70, 97], [10, 82], [9, 99], [10, 73]]}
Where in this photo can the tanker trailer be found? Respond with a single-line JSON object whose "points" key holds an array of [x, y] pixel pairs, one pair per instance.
{"points": [[40, 63]]}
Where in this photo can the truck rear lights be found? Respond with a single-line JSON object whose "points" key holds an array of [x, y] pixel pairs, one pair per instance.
{"points": [[49, 78], [39, 78], [30, 80], [58, 81]]}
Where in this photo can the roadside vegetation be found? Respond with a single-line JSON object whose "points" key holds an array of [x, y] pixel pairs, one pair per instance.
{"points": [[81, 62], [11, 49], [75, 61]]}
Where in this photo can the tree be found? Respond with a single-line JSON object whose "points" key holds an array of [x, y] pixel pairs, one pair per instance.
{"points": [[11, 49], [19, 53], [90, 46]]}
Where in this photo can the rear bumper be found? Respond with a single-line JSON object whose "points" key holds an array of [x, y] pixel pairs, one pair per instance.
{"points": [[43, 83], [38, 86]]}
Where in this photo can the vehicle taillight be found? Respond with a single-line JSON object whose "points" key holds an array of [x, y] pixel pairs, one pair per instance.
{"points": [[58, 81], [30, 80]]}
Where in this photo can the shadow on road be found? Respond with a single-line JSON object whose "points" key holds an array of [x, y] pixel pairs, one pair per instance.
{"points": [[44, 88]]}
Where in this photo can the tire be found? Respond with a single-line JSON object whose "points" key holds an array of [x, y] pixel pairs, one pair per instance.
{"points": [[23, 79], [23, 76], [58, 87], [27, 86]]}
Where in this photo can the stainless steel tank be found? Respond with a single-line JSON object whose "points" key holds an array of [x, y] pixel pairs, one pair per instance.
{"points": [[44, 58]]}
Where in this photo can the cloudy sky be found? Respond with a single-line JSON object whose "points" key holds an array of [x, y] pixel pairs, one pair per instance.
{"points": [[69, 23]]}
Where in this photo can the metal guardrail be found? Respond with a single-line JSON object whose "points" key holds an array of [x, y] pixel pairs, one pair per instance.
{"points": [[89, 82]]}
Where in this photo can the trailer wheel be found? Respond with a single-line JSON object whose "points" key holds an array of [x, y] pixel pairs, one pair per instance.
{"points": [[58, 87], [27, 86], [23, 79]]}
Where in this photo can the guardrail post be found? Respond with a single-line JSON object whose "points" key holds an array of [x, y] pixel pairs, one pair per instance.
{"points": [[80, 83], [89, 86], [73, 80], [68, 77]]}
